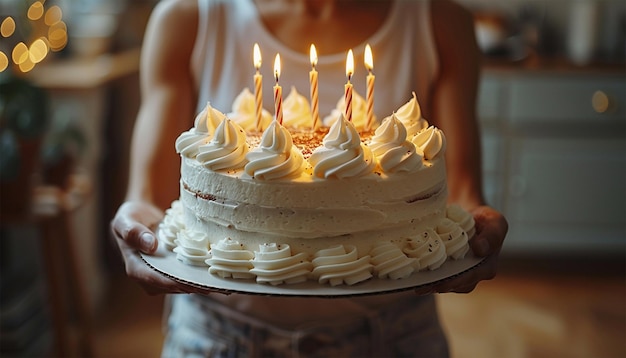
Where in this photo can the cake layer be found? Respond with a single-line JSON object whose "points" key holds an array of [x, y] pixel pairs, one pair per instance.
{"points": [[308, 192], [363, 240], [310, 208]]}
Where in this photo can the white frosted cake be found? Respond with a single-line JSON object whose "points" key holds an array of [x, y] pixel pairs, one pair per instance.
{"points": [[337, 205]]}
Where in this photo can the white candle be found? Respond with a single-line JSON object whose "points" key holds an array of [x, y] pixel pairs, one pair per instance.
{"points": [[348, 86], [278, 92], [258, 87], [314, 90], [369, 65]]}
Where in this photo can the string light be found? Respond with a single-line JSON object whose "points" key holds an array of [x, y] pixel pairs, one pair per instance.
{"points": [[49, 33]]}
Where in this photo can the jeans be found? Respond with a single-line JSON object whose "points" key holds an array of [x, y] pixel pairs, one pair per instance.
{"points": [[201, 327]]}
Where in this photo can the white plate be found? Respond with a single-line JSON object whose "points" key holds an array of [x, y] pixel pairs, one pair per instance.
{"points": [[165, 262]]}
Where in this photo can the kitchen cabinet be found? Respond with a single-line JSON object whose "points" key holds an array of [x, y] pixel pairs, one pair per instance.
{"points": [[554, 154]]}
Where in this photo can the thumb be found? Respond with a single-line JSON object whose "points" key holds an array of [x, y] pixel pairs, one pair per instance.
{"points": [[135, 235]]}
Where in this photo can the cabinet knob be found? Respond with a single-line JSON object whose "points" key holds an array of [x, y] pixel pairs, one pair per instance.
{"points": [[600, 102]]}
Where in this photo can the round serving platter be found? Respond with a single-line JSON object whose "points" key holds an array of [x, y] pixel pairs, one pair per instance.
{"points": [[165, 262]]}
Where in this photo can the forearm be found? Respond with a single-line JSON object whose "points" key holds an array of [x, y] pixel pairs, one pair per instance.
{"points": [[168, 103], [155, 165], [455, 115], [453, 101]]}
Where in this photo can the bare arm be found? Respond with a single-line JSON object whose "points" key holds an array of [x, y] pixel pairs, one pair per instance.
{"points": [[168, 102], [454, 100], [166, 110]]}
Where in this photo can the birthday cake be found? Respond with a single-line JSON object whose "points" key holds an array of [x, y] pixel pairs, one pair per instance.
{"points": [[334, 203]]}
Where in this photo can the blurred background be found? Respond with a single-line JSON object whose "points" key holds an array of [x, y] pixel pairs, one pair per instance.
{"points": [[552, 106]]}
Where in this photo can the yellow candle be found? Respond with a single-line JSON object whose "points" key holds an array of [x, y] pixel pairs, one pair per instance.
{"points": [[278, 92], [314, 95], [258, 87], [348, 86], [369, 65]]}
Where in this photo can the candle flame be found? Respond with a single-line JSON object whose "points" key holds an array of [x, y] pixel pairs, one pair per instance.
{"points": [[313, 56], [257, 56], [350, 64], [369, 61], [277, 67]]}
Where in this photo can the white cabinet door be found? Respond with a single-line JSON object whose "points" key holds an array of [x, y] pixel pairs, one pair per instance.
{"points": [[567, 194]]}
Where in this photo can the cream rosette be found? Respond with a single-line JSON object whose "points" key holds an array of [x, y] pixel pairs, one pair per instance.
{"points": [[339, 265], [244, 112], [463, 218], [191, 247], [389, 261], [410, 114], [228, 258], [206, 121], [428, 249], [171, 225], [226, 150], [342, 155], [454, 238], [393, 151], [276, 157], [431, 141], [296, 110], [359, 112], [274, 264]]}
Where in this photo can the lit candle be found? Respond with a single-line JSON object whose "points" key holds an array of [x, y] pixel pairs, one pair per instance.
{"points": [[348, 86], [314, 95], [258, 87], [369, 64], [278, 92]]}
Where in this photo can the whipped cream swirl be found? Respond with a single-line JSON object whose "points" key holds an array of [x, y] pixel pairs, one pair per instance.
{"points": [[296, 110], [171, 225], [228, 258], [342, 154], [390, 261], [274, 264], [359, 112], [192, 247], [205, 123], [431, 141], [227, 149], [463, 218], [340, 264], [454, 238], [244, 112], [393, 151], [428, 249], [276, 157], [410, 114]]}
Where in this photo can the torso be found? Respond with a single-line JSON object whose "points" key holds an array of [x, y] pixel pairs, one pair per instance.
{"points": [[293, 37], [298, 25]]}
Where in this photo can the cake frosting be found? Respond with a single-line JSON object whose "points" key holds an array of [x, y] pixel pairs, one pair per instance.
{"points": [[338, 205]]}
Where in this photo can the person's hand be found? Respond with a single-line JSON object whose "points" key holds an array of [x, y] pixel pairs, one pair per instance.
{"points": [[491, 228], [133, 231]]}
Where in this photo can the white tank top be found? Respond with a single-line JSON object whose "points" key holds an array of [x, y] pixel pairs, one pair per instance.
{"points": [[222, 65], [222, 62]]}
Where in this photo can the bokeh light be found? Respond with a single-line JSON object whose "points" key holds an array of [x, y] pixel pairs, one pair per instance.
{"points": [[7, 28], [4, 61], [20, 53], [57, 36], [53, 15], [35, 11], [38, 50], [49, 33]]}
